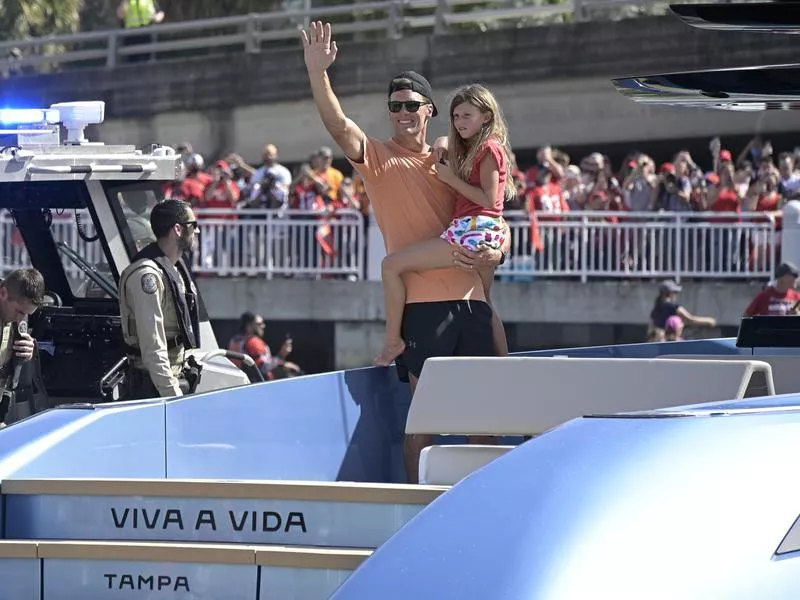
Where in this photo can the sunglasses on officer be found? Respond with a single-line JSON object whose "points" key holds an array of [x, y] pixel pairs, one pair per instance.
{"points": [[192, 224], [412, 106]]}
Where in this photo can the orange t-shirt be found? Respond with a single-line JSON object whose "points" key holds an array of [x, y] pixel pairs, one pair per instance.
{"points": [[412, 205]]}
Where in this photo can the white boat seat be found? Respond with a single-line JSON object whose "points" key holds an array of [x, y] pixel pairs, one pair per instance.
{"points": [[447, 465], [785, 374], [529, 395]]}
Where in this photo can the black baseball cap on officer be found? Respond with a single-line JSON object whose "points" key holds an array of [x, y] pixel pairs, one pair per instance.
{"points": [[411, 80]]}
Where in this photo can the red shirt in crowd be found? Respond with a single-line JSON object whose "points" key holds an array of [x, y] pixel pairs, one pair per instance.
{"points": [[306, 197], [727, 201], [190, 189], [219, 198], [548, 201], [770, 202], [771, 302]]}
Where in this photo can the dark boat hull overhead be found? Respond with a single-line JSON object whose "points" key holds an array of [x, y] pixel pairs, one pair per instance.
{"points": [[766, 17], [774, 87]]}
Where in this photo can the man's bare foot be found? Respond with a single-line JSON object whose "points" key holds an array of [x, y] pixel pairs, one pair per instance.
{"points": [[391, 350]]}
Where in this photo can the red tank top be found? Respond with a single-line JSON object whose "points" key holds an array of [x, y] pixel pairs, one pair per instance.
{"points": [[727, 201], [769, 203]]}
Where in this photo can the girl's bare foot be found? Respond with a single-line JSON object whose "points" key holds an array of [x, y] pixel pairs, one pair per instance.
{"points": [[391, 350]]}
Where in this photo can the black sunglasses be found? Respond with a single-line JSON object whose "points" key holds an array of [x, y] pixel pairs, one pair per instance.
{"points": [[412, 106], [192, 224]]}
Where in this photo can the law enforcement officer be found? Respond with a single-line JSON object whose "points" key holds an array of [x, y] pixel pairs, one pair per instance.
{"points": [[158, 306], [20, 295]]}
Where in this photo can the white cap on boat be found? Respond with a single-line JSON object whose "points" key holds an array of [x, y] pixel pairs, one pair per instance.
{"points": [[75, 116]]}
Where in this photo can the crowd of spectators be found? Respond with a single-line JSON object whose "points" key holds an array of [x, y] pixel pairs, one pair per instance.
{"points": [[757, 180], [754, 181], [315, 192]]}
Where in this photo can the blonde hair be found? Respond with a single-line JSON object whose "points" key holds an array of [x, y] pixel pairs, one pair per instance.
{"points": [[462, 152]]}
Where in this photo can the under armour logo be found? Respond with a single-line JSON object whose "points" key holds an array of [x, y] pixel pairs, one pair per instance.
{"points": [[411, 343]]}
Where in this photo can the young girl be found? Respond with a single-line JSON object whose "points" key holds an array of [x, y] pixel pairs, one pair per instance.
{"points": [[478, 171]]}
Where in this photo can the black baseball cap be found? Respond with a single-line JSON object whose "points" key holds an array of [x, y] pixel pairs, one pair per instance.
{"points": [[411, 80], [786, 268], [669, 286]]}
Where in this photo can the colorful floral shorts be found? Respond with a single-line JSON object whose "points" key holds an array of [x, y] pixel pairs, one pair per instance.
{"points": [[474, 232]]}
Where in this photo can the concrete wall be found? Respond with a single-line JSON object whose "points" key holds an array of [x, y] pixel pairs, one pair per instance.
{"points": [[565, 112], [339, 324], [565, 302], [553, 83]]}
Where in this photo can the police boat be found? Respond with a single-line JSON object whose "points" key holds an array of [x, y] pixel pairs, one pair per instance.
{"points": [[638, 471], [76, 210]]}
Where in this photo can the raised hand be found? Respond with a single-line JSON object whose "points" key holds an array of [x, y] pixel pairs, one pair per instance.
{"points": [[318, 49]]}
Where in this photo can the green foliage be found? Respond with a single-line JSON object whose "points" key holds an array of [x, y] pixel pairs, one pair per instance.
{"points": [[184, 10], [20, 19], [99, 14]]}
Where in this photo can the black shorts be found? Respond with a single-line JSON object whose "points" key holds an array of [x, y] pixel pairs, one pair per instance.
{"points": [[451, 328]]}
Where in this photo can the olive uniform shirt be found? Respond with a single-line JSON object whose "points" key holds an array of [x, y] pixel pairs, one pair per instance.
{"points": [[149, 319]]}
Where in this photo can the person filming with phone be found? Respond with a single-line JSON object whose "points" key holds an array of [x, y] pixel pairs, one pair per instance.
{"points": [[250, 341]]}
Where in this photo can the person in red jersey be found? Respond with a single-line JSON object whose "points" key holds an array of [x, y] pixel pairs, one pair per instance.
{"points": [[250, 341], [780, 297]]}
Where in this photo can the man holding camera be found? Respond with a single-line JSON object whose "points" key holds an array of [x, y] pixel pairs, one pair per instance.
{"points": [[674, 190], [269, 184], [20, 295], [638, 186]]}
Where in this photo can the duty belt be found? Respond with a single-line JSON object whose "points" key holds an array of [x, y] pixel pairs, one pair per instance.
{"points": [[172, 343]]}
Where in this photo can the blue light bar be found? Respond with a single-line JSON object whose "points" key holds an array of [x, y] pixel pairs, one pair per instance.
{"points": [[28, 116]]}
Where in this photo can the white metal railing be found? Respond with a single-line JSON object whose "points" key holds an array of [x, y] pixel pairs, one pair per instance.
{"points": [[13, 254], [580, 245], [257, 242], [274, 242], [245, 33], [586, 245]]}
